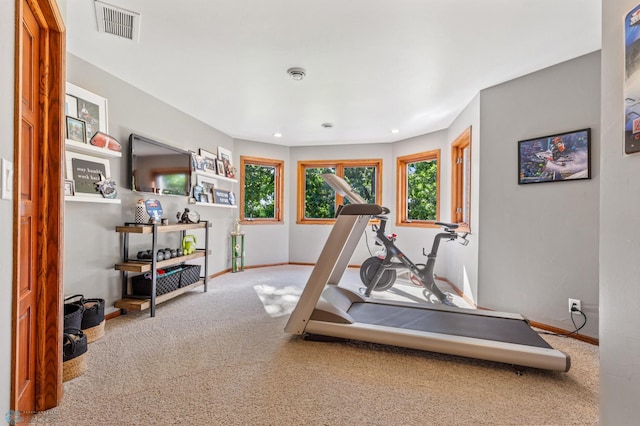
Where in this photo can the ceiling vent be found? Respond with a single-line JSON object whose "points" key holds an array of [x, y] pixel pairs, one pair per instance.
{"points": [[117, 21]]}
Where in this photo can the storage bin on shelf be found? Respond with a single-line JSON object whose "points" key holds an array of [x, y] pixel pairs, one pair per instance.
{"points": [[167, 280]]}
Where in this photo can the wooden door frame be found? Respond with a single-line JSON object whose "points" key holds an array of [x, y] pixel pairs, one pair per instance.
{"points": [[50, 243]]}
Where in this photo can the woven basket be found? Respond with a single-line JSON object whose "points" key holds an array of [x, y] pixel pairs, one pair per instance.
{"points": [[74, 355], [72, 316], [92, 316], [94, 333], [74, 367]]}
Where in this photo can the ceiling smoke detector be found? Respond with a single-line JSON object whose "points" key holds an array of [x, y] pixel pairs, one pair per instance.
{"points": [[116, 21], [297, 73]]}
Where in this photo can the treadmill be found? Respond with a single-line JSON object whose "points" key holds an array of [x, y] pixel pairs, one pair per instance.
{"points": [[327, 309]]}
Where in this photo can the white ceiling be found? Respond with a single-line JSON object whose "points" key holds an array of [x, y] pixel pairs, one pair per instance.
{"points": [[372, 65]]}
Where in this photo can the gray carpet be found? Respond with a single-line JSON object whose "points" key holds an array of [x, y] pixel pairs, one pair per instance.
{"points": [[222, 358]]}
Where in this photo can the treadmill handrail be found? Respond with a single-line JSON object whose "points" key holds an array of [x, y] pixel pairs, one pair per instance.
{"points": [[361, 210]]}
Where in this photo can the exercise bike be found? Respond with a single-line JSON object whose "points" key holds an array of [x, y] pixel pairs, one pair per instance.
{"points": [[378, 273]]}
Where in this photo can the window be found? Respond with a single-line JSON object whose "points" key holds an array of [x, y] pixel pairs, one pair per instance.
{"points": [[317, 201], [418, 178], [261, 190], [461, 181]]}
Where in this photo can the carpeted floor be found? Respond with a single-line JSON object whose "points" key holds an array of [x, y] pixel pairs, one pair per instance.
{"points": [[222, 358]]}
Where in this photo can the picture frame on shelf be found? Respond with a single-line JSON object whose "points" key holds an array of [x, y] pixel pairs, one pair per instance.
{"points": [[90, 107], [209, 161], [206, 183], [224, 155], [205, 197], [85, 171], [69, 188], [76, 129], [555, 158], [220, 168], [197, 162]]}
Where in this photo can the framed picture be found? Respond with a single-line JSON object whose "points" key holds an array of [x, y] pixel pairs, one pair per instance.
{"points": [[87, 106], [209, 161], [554, 158], [220, 168], [224, 155], [86, 171], [69, 187], [206, 183], [205, 197], [76, 129], [197, 162]]}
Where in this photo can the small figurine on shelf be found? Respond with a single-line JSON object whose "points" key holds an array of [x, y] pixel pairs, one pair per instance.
{"points": [[106, 187], [236, 229], [188, 216]]}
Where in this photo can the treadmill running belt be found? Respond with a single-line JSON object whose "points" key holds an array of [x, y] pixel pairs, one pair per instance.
{"points": [[444, 322]]}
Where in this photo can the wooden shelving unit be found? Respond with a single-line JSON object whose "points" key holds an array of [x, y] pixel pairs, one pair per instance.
{"points": [[130, 302]]}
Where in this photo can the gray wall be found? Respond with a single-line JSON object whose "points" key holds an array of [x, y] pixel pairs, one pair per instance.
{"points": [[7, 27], [619, 242], [539, 243], [92, 247]]}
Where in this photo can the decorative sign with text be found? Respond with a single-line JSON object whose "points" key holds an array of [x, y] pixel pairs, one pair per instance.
{"points": [[86, 173], [221, 196]]}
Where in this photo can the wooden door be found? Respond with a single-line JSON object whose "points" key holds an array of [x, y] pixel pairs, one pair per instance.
{"points": [[36, 382], [28, 154]]}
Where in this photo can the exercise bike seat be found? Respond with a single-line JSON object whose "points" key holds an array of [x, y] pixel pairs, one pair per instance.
{"points": [[447, 225]]}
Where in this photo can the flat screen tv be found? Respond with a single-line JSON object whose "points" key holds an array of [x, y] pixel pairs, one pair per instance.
{"points": [[158, 168]]}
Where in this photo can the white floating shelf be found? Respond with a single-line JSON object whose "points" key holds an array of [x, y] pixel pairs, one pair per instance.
{"points": [[215, 176], [85, 148], [227, 206], [82, 199]]}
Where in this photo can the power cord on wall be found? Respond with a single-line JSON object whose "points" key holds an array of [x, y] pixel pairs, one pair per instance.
{"points": [[573, 309]]}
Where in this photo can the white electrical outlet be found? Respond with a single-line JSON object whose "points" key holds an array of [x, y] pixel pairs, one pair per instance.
{"points": [[577, 304]]}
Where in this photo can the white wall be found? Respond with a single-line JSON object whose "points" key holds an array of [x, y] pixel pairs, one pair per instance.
{"points": [[619, 236], [92, 247], [539, 243], [7, 27], [462, 261], [267, 244]]}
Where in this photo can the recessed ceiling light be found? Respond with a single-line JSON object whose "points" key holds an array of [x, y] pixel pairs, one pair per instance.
{"points": [[297, 73], [395, 131], [277, 135]]}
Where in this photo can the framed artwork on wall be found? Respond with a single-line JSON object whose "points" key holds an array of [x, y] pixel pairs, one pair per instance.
{"points": [[87, 106], [555, 158]]}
